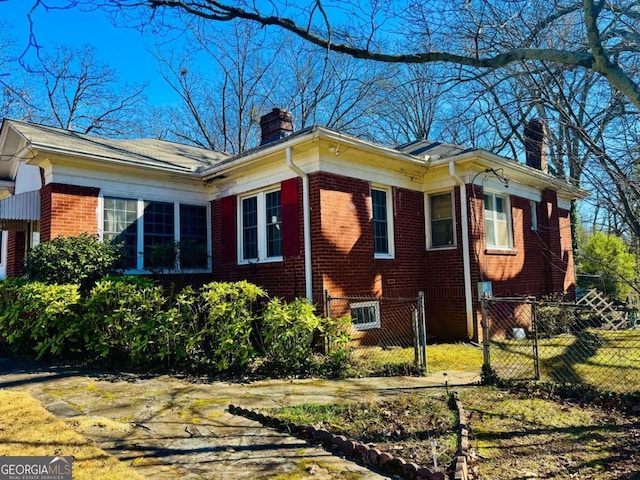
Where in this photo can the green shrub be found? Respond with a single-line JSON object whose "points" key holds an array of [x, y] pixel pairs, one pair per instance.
{"points": [[288, 331], [605, 263], [80, 260], [126, 321], [42, 320], [337, 335], [296, 341], [220, 324]]}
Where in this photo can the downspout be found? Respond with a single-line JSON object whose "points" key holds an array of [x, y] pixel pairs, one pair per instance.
{"points": [[466, 257], [306, 224]]}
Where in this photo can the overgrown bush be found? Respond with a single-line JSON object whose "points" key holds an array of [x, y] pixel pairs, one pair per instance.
{"points": [[80, 260], [552, 318], [129, 321], [288, 331], [222, 324], [125, 321], [295, 341], [42, 319]]}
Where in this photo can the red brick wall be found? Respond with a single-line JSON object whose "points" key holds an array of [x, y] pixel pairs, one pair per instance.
{"points": [[344, 262], [15, 253], [342, 237], [444, 291], [283, 279], [67, 210], [542, 260]]}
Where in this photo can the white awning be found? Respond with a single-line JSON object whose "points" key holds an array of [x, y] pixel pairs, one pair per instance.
{"points": [[17, 210]]}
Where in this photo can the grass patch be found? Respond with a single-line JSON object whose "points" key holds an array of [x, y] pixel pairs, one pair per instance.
{"points": [[377, 361], [605, 359], [517, 436], [403, 424], [26, 428]]}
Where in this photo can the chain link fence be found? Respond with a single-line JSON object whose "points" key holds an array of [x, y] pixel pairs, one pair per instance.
{"points": [[590, 342], [387, 334]]}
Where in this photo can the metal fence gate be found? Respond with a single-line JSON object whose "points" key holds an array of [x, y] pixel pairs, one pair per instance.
{"points": [[385, 331], [590, 342]]}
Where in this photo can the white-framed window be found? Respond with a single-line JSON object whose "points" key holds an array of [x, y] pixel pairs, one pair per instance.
{"points": [[497, 220], [157, 236], [382, 213], [441, 220], [534, 215], [260, 227], [365, 315]]}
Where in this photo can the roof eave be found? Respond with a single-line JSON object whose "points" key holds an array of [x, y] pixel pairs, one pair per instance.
{"points": [[480, 154], [307, 136]]}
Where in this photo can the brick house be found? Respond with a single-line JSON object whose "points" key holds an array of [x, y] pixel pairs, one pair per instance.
{"points": [[303, 213]]}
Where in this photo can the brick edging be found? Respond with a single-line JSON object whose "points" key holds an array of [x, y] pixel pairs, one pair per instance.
{"points": [[359, 452], [462, 467]]}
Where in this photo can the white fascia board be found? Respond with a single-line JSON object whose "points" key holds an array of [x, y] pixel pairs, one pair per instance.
{"points": [[59, 155], [119, 184], [313, 135], [381, 176], [516, 171]]}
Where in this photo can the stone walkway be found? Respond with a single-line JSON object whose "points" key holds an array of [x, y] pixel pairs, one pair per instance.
{"points": [[175, 428]]}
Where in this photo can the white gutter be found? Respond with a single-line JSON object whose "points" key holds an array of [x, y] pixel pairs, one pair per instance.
{"points": [[466, 258], [306, 223]]}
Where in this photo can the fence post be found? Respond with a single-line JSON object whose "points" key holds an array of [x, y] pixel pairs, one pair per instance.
{"points": [[416, 338], [486, 341], [423, 330], [534, 329], [327, 304]]}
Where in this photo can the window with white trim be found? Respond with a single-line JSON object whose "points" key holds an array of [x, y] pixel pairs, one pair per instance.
{"points": [[441, 220], [365, 315], [382, 223], [260, 227], [497, 220], [165, 236]]}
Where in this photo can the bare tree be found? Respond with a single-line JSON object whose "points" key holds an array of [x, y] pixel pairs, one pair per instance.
{"points": [[80, 94], [484, 35], [323, 88], [221, 104]]}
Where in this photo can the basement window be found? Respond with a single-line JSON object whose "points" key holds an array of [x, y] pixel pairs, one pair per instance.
{"points": [[365, 315]]}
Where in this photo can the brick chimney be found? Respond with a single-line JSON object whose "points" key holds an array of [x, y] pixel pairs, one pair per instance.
{"points": [[275, 125], [535, 145]]}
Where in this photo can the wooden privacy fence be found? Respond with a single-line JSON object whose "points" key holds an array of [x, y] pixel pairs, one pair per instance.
{"points": [[591, 342]]}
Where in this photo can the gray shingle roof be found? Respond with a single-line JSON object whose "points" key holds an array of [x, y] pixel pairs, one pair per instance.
{"points": [[421, 148], [143, 152]]}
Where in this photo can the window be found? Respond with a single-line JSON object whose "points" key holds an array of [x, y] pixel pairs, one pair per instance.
{"points": [[193, 237], [149, 241], [497, 220], [441, 213], [382, 224], [261, 227], [159, 235], [121, 227], [365, 315], [534, 215], [274, 224]]}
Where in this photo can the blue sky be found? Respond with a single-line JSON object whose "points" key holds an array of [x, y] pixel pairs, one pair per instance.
{"points": [[125, 50]]}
